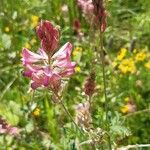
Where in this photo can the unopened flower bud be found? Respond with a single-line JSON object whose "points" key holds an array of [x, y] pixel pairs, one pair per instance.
{"points": [[48, 35], [100, 14], [76, 26], [89, 87]]}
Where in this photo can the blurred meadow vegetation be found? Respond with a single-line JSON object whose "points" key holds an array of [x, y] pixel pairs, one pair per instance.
{"points": [[127, 43]]}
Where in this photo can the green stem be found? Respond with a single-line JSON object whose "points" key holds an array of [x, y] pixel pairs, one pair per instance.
{"points": [[5, 142], [90, 102], [67, 112], [104, 82], [104, 74], [137, 113]]}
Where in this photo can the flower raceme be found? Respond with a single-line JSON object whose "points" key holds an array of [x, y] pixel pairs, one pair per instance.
{"points": [[47, 69], [100, 13], [6, 128], [86, 6], [94, 9], [89, 86], [83, 116]]}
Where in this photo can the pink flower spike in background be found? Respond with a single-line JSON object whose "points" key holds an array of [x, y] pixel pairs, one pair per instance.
{"points": [[83, 116], [77, 26], [6, 128], [86, 6], [48, 68], [100, 14]]}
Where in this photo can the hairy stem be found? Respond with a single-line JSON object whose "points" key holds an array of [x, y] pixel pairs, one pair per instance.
{"points": [[104, 83], [134, 146], [67, 112], [137, 113]]}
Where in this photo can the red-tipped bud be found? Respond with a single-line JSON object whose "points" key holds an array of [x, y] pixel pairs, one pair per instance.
{"points": [[100, 14], [48, 35], [89, 87], [76, 26]]}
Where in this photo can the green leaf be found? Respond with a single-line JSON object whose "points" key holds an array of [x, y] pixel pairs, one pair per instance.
{"points": [[6, 41]]}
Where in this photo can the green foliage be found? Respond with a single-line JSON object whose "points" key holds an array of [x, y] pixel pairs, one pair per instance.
{"points": [[128, 27]]}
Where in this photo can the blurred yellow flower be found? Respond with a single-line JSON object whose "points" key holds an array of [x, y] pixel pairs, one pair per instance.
{"points": [[36, 112], [148, 55], [114, 64], [34, 21], [33, 41], [27, 45], [7, 29], [77, 69], [130, 107], [122, 54], [147, 65], [125, 109], [126, 99], [135, 51], [77, 50], [140, 56], [127, 66]]}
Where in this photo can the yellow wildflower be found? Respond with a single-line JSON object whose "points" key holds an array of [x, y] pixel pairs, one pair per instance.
{"points": [[135, 51], [77, 50], [114, 64], [122, 54], [140, 56], [127, 66], [27, 45], [147, 65], [125, 109], [33, 41], [77, 69], [7, 29], [127, 99], [34, 21], [130, 107], [36, 112], [148, 55]]}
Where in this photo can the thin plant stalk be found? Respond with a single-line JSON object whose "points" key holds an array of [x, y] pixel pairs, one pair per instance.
{"points": [[67, 112], [104, 83], [89, 99]]}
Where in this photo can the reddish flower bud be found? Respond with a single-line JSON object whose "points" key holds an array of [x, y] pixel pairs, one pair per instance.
{"points": [[48, 35], [89, 87], [86, 6], [100, 14], [76, 26]]}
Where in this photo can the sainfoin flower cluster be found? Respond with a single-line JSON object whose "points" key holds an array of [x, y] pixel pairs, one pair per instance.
{"points": [[94, 9], [86, 6], [6, 128], [83, 116], [48, 67], [100, 14]]}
